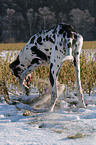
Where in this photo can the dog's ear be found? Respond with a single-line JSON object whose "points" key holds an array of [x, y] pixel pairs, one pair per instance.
{"points": [[15, 63]]}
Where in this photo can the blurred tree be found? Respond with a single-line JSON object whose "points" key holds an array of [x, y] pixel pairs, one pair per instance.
{"points": [[76, 17], [88, 24], [31, 17], [62, 17], [7, 25], [10, 15], [47, 18], [79, 13], [19, 26], [0, 29], [82, 21]]}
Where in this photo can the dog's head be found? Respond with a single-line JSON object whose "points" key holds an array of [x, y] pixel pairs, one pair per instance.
{"points": [[15, 67]]}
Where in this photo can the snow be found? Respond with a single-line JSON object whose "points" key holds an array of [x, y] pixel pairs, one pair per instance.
{"points": [[67, 125], [10, 54], [54, 128], [23, 134]]}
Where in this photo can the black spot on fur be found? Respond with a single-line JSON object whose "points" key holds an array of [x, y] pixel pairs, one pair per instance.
{"points": [[69, 35], [15, 63], [61, 51], [23, 65], [46, 49], [57, 72], [49, 57], [47, 38], [69, 45], [56, 48], [16, 71], [55, 29], [64, 48], [32, 40], [74, 61], [61, 31], [39, 40], [50, 39], [51, 75], [77, 53], [75, 36], [51, 65], [54, 36], [67, 28], [74, 41], [64, 34], [50, 53], [39, 53], [35, 60], [60, 44]]}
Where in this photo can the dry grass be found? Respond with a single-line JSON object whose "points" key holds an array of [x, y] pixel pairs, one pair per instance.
{"points": [[11, 46], [19, 46], [77, 135], [89, 45]]}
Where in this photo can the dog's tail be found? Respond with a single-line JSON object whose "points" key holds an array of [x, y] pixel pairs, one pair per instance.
{"points": [[70, 57]]}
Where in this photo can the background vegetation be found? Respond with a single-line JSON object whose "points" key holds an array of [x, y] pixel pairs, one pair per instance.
{"points": [[8, 82], [90, 45], [19, 19]]}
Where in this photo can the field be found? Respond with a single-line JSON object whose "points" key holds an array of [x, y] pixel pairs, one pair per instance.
{"points": [[11, 46], [19, 46]]}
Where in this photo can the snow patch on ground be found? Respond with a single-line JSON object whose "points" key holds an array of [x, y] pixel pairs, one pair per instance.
{"points": [[67, 125], [64, 126]]}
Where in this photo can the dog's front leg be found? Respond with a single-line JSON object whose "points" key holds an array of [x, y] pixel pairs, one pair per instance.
{"points": [[53, 73], [53, 90]]}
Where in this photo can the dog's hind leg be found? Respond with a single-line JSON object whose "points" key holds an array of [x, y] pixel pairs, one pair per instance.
{"points": [[53, 88], [79, 88], [77, 72], [54, 68]]}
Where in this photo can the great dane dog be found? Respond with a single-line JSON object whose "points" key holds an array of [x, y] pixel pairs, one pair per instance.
{"points": [[53, 47]]}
